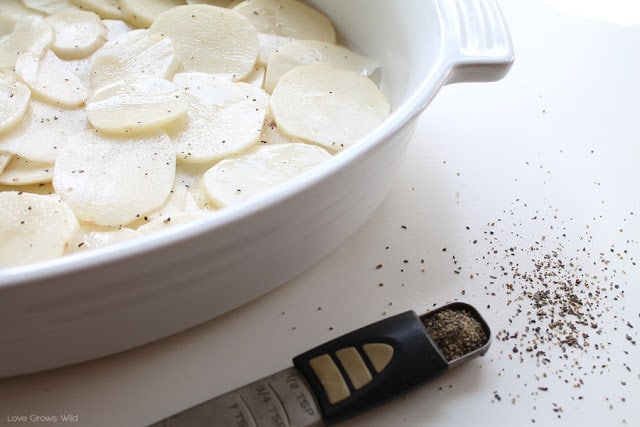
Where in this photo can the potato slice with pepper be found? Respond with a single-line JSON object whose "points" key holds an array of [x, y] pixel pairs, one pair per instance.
{"points": [[51, 79], [87, 237], [30, 34], [136, 104], [256, 77], [272, 135], [289, 18], [83, 67], [224, 117], [106, 9], [26, 172], [43, 132], [330, 106], [269, 44], [170, 220], [234, 180], [11, 11], [136, 52], [16, 97], [304, 52], [5, 159], [210, 39], [48, 6], [175, 203], [33, 228], [110, 180], [219, 3], [79, 33], [116, 28], [142, 13]]}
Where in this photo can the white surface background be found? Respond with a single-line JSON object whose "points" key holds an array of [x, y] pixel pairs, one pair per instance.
{"points": [[552, 149]]}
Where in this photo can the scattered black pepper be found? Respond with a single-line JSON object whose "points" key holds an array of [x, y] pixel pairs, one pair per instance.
{"points": [[560, 298]]}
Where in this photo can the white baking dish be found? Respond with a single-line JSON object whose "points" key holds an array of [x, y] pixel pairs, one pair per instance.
{"points": [[92, 304]]}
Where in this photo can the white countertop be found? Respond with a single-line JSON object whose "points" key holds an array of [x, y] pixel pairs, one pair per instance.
{"points": [[538, 170]]}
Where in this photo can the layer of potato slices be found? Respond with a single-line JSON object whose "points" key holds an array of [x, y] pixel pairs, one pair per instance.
{"points": [[31, 33], [124, 117]]}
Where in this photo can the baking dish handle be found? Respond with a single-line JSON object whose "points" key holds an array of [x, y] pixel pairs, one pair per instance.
{"points": [[477, 44]]}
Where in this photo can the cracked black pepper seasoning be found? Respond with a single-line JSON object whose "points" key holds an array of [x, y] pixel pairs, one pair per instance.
{"points": [[456, 332]]}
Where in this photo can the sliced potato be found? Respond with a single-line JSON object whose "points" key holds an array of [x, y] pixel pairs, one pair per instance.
{"points": [[26, 172], [170, 220], [11, 11], [303, 52], [43, 132], [82, 69], [219, 3], [269, 44], [210, 39], [86, 237], [196, 200], [51, 79], [185, 179], [142, 13], [79, 33], [106, 9], [256, 78], [30, 34], [134, 53], [329, 106], [224, 117], [49, 6], [44, 189], [6, 24], [124, 42], [5, 159], [234, 180], [15, 9], [33, 228], [115, 28], [111, 181], [271, 133], [136, 104], [15, 101], [289, 18]]}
